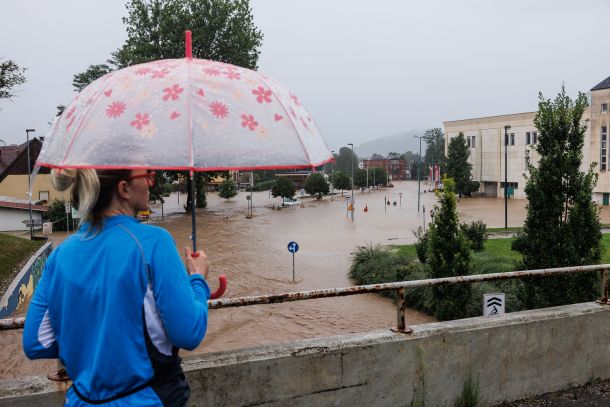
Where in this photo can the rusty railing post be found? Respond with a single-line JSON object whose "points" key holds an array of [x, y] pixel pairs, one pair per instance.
{"points": [[604, 298], [401, 312]]}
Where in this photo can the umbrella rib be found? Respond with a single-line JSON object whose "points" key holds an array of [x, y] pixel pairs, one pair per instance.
{"points": [[82, 122], [189, 112], [287, 115]]}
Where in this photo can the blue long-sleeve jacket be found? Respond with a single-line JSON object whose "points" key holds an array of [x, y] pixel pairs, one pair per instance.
{"points": [[115, 307]]}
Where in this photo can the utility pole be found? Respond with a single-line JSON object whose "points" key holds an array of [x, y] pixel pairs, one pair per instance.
{"points": [[506, 128], [27, 136], [418, 164], [352, 200], [332, 177]]}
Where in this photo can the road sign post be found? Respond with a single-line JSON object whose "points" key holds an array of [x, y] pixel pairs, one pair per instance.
{"points": [[68, 208], [293, 247], [494, 304]]}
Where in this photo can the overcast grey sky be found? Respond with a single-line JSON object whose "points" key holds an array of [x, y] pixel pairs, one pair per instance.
{"points": [[364, 69]]}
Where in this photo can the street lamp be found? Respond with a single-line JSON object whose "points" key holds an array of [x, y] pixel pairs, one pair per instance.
{"points": [[27, 136], [352, 200], [332, 177], [418, 162], [506, 128]]}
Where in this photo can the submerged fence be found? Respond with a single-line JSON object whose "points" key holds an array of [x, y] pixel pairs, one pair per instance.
{"points": [[400, 287]]}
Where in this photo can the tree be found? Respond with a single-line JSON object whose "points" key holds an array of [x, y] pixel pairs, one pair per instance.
{"points": [[81, 80], [377, 177], [435, 150], [345, 160], [448, 255], [316, 183], [228, 189], [376, 156], [342, 181], [360, 178], [11, 76], [223, 30], [284, 188], [458, 167], [562, 226]]}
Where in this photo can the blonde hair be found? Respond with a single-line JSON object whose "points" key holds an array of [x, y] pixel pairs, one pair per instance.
{"points": [[92, 190]]}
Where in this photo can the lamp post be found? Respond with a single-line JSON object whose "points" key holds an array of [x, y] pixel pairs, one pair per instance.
{"points": [[352, 160], [506, 128], [27, 136], [332, 177], [418, 163]]}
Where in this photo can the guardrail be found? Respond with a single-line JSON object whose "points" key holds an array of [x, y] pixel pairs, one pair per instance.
{"points": [[400, 287]]}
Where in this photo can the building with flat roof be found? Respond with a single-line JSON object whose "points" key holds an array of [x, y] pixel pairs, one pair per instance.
{"points": [[485, 138]]}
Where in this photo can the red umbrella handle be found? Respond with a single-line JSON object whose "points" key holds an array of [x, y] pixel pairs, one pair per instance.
{"points": [[222, 282]]}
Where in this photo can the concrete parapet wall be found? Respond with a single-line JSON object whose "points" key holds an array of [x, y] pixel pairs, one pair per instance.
{"points": [[512, 357]]}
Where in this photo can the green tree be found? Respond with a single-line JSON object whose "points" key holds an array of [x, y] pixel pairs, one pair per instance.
{"points": [[81, 80], [345, 159], [377, 177], [435, 150], [223, 30], [562, 226], [448, 256], [284, 188], [228, 189], [316, 183], [458, 167], [342, 181], [376, 156], [360, 178], [57, 215], [11, 76]]}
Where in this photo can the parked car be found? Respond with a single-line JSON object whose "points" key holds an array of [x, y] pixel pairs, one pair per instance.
{"points": [[289, 202]]}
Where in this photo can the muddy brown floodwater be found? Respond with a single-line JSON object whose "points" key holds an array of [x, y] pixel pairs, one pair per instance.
{"points": [[253, 254]]}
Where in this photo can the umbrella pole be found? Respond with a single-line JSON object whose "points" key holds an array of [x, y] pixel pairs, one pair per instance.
{"points": [[193, 206]]}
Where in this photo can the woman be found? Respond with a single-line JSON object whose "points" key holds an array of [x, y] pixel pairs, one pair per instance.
{"points": [[115, 302]]}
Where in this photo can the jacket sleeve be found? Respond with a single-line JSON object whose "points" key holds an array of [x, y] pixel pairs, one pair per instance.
{"points": [[38, 336], [180, 299]]}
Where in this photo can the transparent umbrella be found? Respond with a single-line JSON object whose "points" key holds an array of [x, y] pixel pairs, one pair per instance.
{"points": [[185, 114]]}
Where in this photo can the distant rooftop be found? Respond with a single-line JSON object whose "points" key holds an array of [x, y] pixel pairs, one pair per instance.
{"points": [[605, 84]]}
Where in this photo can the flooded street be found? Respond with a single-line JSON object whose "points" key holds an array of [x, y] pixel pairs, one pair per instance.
{"points": [[253, 254]]}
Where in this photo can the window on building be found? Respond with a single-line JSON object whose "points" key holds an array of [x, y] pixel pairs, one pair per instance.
{"points": [[512, 139], [473, 142], [604, 107], [468, 141], [603, 149], [43, 195], [514, 185], [528, 138], [534, 137]]}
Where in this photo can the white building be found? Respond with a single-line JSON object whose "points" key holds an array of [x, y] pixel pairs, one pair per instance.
{"points": [[485, 137], [13, 213]]}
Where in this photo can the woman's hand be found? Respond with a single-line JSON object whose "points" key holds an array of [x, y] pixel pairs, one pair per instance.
{"points": [[197, 264]]}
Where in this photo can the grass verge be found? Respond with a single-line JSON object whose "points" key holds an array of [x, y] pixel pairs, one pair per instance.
{"points": [[14, 253]]}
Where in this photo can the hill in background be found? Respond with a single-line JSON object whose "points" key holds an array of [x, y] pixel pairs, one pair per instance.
{"points": [[399, 143]]}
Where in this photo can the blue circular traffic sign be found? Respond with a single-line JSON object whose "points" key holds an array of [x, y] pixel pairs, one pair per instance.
{"points": [[293, 247]]}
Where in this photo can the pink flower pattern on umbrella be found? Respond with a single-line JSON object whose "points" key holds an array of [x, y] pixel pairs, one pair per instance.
{"points": [[172, 93], [143, 71], [115, 109], [232, 74], [158, 74], [140, 121], [211, 71], [219, 110], [295, 99], [248, 121], [262, 94]]}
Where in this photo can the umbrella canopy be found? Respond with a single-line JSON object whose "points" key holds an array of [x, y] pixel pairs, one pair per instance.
{"points": [[185, 114]]}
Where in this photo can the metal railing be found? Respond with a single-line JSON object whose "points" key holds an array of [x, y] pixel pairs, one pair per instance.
{"points": [[400, 287]]}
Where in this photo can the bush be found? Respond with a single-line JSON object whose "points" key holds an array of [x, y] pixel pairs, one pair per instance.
{"points": [[470, 394], [421, 245], [264, 185], [476, 233], [57, 215]]}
